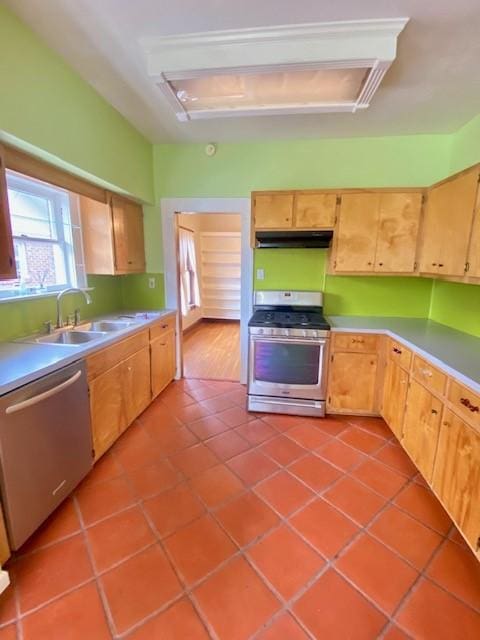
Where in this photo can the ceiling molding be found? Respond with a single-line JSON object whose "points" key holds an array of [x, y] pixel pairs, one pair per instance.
{"points": [[304, 43]]}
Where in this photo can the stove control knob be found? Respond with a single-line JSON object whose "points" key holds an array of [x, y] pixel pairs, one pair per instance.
{"points": [[261, 332]]}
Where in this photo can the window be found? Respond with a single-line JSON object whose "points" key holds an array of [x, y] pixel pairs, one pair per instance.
{"points": [[46, 238], [189, 290]]}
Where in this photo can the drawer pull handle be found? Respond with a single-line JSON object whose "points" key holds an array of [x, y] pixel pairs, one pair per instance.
{"points": [[395, 350], [359, 340], [466, 403], [164, 326]]}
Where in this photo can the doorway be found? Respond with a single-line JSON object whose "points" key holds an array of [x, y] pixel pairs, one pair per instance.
{"points": [[209, 254]]}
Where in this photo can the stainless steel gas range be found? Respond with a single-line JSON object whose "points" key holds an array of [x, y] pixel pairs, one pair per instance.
{"points": [[288, 353]]}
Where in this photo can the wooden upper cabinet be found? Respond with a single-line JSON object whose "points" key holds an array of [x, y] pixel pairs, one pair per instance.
{"points": [[8, 269], [473, 257], [456, 478], [398, 224], [128, 238], [357, 232], [112, 233], [448, 224], [314, 210], [377, 232], [273, 211]]}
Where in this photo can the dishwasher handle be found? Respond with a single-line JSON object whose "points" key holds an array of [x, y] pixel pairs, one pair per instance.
{"points": [[19, 406]]}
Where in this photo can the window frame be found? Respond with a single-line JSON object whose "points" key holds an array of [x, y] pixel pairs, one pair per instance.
{"points": [[58, 198]]}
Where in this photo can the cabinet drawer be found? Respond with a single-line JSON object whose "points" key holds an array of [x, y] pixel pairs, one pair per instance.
{"points": [[465, 402], [400, 354], [429, 375], [365, 342], [112, 355], [164, 325]]}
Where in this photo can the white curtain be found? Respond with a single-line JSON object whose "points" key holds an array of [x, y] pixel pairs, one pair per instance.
{"points": [[189, 289]]}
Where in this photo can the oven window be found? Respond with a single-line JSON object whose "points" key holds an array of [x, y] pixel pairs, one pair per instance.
{"points": [[287, 363]]}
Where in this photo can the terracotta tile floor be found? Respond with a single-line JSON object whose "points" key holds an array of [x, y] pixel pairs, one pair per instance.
{"points": [[205, 521]]}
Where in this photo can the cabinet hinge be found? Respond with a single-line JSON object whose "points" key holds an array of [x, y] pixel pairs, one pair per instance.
{"points": [[334, 264], [331, 358], [467, 267], [93, 454], [478, 543], [415, 265], [424, 198], [330, 400], [339, 199]]}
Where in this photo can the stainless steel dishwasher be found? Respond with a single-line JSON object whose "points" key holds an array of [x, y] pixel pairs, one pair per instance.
{"points": [[45, 447]]}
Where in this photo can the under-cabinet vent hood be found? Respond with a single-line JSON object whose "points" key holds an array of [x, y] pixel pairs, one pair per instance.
{"points": [[293, 239]]}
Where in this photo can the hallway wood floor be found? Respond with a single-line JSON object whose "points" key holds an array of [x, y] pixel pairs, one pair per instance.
{"points": [[211, 350]]}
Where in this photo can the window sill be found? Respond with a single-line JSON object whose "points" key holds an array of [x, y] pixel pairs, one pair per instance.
{"points": [[36, 296]]}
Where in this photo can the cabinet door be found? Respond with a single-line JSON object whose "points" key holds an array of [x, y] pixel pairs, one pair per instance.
{"points": [[107, 408], [97, 234], [128, 236], [447, 225], [357, 232], [421, 428], [399, 219], [457, 475], [352, 383], [162, 354], [473, 259], [394, 397], [315, 210], [273, 211], [137, 393], [8, 269]]}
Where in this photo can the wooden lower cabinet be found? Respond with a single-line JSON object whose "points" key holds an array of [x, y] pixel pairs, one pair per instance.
{"points": [[395, 397], [456, 478], [4, 544], [353, 383], [421, 427], [136, 384], [163, 361], [107, 408]]}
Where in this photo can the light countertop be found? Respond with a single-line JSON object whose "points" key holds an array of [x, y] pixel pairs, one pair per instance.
{"points": [[22, 362], [455, 352]]}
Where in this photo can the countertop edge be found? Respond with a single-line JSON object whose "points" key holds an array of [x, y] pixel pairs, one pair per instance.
{"points": [[76, 354], [449, 370]]}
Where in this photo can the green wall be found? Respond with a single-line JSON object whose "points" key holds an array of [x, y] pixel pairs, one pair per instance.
{"points": [[344, 295], [184, 170], [46, 104], [46, 108], [456, 305]]}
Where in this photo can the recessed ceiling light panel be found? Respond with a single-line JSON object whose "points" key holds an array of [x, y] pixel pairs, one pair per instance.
{"points": [[329, 67]]}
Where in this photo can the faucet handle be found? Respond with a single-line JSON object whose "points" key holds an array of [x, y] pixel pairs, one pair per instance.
{"points": [[48, 326], [76, 317]]}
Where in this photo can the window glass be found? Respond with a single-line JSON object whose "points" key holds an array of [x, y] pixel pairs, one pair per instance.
{"points": [[42, 237]]}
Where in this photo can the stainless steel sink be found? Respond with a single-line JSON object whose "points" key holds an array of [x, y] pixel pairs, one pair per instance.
{"points": [[104, 325], [71, 337]]}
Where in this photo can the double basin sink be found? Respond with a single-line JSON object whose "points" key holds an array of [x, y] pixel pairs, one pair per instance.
{"points": [[90, 331]]}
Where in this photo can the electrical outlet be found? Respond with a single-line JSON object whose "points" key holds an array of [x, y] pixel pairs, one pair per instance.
{"points": [[151, 283], [260, 274]]}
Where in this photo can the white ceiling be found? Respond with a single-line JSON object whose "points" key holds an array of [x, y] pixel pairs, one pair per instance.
{"points": [[432, 87]]}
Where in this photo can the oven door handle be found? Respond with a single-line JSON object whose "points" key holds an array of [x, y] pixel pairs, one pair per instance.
{"points": [[290, 340]]}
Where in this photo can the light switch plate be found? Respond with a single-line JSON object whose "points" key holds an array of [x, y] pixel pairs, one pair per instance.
{"points": [[151, 283], [260, 274]]}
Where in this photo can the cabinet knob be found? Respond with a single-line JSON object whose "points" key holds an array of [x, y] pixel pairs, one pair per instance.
{"points": [[369, 263], [380, 264], [434, 411], [434, 264], [440, 264], [466, 403]]}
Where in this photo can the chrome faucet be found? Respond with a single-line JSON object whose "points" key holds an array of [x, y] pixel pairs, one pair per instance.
{"points": [[88, 300]]}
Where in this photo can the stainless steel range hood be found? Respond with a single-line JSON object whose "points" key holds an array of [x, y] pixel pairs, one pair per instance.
{"points": [[293, 239]]}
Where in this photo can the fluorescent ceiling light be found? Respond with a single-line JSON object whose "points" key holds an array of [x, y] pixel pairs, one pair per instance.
{"points": [[313, 68]]}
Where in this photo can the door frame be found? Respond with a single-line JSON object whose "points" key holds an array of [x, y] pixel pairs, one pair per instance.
{"points": [[169, 207]]}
